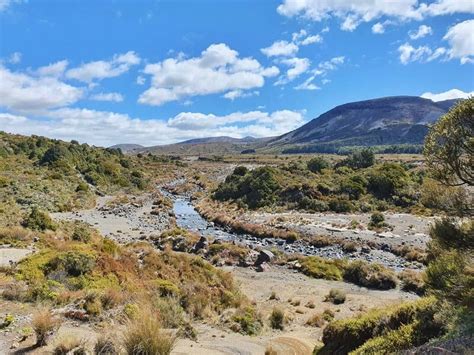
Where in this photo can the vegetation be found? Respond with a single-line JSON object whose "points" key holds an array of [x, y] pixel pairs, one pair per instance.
{"points": [[277, 319], [43, 324], [449, 147], [336, 296]]}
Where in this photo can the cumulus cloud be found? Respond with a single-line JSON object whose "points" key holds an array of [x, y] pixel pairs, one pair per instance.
{"points": [[217, 70], [422, 31], [297, 66], [408, 53], [234, 94], [307, 84], [110, 128], [461, 40], [280, 48], [101, 69], [353, 12], [25, 93], [378, 28], [108, 96], [54, 69], [448, 95]]}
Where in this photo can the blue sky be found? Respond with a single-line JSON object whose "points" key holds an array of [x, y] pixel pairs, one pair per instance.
{"points": [[157, 72]]}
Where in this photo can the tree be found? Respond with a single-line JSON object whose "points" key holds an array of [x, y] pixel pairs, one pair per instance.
{"points": [[449, 146]]}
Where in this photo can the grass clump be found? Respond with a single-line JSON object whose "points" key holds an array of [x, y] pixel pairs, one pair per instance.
{"points": [[43, 324], [370, 275], [320, 268], [316, 320], [105, 346], [277, 319], [412, 281], [69, 345], [344, 336], [247, 321], [336, 296], [144, 336]]}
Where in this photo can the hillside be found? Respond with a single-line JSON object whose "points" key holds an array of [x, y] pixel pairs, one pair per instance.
{"points": [[382, 121], [127, 148]]}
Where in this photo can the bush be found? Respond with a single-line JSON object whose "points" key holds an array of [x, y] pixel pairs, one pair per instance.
{"points": [[82, 187], [346, 335], [105, 346], [317, 164], [81, 234], [377, 220], [247, 320], [39, 220], [319, 268], [387, 180], [340, 206], [144, 336], [73, 263], [277, 319], [69, 345], [43, 324], [336, 296], [370, 275], [316, 320], [412, 281], [360, 159]]}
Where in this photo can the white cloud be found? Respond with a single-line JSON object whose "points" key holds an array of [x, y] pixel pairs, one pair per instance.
{"points": [[140, 80], [297, 66], [308, 84], [234, 94], [108, 96], [422, 31], [4, 4], [461, 41], [311, 39], [15, 58], [218, 70], [120, 64], [280, 48], [378, 28], [354, 12], [408, 53], [329, 65], [448, 95], [111, 128], [24, 93], [55, 69]]}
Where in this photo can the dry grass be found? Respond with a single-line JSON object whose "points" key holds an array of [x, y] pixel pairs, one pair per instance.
{"points": [[44, 324], [144, 336], [316, 320], [105, 345], [68, 344]]}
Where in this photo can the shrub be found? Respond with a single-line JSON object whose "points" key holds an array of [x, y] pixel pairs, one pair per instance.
{"points": [[317, 164], [69, 345], [370, 275], [43, 324], [144, 336], [336, 296], [387, 180], [39, 220], [340, 206], [277, 319], [82, 187], [377, 220], [343, 336], [247, 320], [81, 234], [412, 281], [319, 268], [73, 263], [328, 315], [360, 159]]}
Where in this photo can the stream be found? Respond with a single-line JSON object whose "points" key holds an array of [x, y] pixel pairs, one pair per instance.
{"points": [[188, 218]]}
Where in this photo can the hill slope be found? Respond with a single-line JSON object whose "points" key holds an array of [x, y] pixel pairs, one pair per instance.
{"points": [[383, 121]]}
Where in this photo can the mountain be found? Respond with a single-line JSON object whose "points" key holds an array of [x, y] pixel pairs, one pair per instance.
{"points": [[209, 146], [382, 121], [127, 148]]}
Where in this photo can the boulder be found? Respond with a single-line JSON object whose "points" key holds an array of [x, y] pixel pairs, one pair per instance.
{"points": [[265, 256], [262, 267], [201, 244]]}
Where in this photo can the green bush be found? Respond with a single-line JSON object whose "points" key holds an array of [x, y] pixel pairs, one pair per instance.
{"points": [[81, 234], [370, 275], [74, 263], [39, 220], [320, 268], [317, 164], [336, 296], [247, 320], [386, 180], [340, 205], [360, 159]]}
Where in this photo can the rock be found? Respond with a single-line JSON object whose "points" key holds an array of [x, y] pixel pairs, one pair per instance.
{"points": [[265, 256], [262, 267], [201, 244], [365, 250], [14, 345]]}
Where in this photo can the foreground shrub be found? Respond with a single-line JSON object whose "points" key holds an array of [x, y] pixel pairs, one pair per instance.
{"points": [[144, 336], [317, 164], [277, 319], [43, 324], [370, 275], [343, 336], [247, 321], [69, 345], [412, 281], [105, 346]]}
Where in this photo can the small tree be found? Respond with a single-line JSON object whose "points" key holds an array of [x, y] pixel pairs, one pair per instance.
{"points": [[317, 164], [449, 146]]}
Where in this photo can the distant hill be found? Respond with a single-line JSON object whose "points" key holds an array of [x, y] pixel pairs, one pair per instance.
{"points": [[208, 146], [127, 148], [384, 121]]}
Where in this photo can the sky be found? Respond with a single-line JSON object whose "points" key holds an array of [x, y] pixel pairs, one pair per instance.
{"points": [[161, 71]]}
